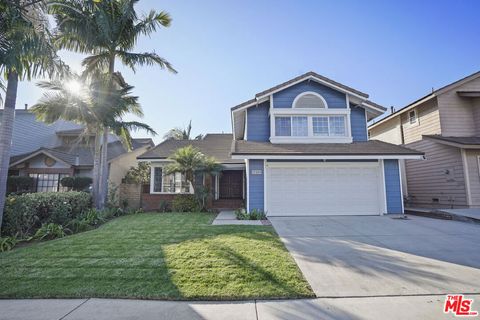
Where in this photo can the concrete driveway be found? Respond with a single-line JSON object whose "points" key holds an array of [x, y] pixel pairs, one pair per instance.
{"points": [[381, 256]]}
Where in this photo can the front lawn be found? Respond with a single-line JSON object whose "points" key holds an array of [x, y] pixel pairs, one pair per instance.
{"points": [[156, 256]]}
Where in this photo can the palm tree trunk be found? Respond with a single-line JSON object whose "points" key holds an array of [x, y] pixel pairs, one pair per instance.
{"points": [[6, 131], [103, 183], [96, 171]]}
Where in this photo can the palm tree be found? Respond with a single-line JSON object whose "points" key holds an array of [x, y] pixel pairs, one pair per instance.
{"points": [[108, 30], [188, 161], [94, 107], [25, 52], [181, 134]]}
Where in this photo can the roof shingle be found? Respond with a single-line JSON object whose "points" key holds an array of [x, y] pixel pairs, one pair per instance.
{"points": [[372, 147], [213, 145]]}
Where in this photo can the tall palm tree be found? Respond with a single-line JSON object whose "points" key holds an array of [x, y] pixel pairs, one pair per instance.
{"points": [[107, 30], [94, 107], [25, 52], [181, 134]]}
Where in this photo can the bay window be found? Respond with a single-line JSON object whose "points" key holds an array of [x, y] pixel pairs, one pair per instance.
{"points": [[316, 126], [168, 183]]}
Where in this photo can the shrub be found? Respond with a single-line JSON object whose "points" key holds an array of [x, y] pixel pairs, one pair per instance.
{"points": [[164, 206], [139, 174], [185, 203], [76, 183], [79, 225], [49, 231], [7, 243], [24, 214], [20, 183], [255, 214]]}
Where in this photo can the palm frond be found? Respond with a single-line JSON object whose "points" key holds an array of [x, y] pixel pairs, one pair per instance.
{"points": [[132, 60]]}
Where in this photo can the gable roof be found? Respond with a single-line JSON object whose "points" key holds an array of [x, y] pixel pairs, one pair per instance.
{"points": [[79, 155], [426, 98], [306, 76], [217, 145]]}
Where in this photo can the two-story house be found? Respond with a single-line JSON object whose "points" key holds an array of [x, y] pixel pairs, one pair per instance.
{"points": [[50, 152], [299, 148], [445, 125]]}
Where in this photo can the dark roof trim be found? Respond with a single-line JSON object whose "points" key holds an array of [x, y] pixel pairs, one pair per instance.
{"points": [[459, 142]]}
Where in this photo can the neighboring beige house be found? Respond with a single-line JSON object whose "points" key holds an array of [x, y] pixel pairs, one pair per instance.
{"points": [[445, 125], [47, 153]]}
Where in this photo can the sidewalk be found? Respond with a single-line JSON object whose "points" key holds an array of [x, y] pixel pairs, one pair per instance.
{"points": [[402, 307]]}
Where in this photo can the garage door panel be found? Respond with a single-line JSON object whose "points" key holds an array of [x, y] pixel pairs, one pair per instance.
{"points": [[329, 189]]}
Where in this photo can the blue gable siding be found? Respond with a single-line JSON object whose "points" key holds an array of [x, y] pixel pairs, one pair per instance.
{"points": [[358, 124], [258, 122], [284, 98], [255, 185], [392, 186]]}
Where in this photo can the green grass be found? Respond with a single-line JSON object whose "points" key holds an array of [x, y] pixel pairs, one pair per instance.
{"points": [[156, 256]]}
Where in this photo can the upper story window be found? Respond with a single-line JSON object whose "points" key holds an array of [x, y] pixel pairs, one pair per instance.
{"points": [[412, 117], [309, 121], [309, 100]]}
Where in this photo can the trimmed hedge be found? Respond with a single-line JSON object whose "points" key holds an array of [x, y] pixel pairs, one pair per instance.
{"points": [[25, 214], [20, 183], [185, 203]]}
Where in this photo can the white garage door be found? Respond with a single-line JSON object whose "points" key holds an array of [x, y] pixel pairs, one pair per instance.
{"points": [[327, 188]]}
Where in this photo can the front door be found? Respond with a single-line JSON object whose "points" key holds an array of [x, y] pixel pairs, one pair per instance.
{"points": [[231, 184]]}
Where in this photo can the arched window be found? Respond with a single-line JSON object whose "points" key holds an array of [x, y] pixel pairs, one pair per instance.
{"points": [[309, 100]]}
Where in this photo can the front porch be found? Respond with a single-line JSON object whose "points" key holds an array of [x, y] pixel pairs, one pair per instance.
{"points": [[227, 190]]}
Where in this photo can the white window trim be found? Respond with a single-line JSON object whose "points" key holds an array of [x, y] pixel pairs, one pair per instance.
{"points": [[416, 117], [309, 114], [294, 103], [152, 180]]}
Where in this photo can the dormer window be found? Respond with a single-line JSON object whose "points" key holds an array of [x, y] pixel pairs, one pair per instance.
{"points": [[309, 100]]}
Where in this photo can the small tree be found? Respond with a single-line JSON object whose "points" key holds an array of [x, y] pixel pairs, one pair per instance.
{"points": [[189, 161], [139, 174]]}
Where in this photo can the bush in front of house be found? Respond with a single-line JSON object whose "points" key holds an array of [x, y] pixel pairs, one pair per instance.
{"points": [[26, 213], [255, 214], [77, 183], [20, 183], [185, 203]]}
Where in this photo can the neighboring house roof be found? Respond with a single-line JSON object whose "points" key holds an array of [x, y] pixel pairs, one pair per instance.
{"points": [[73, 132], [462, 142], [372, 147], [80, 155], [213, 145], [305, 76], [432, 95]]}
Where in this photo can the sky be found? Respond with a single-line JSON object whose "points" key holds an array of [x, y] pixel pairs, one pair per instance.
{"points": [[227, 51]]}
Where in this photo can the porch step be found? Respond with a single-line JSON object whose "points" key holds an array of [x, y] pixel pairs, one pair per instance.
{"points": [[228, 204]]}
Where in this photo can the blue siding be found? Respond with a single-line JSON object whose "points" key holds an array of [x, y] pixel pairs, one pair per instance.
{"points": [[258, 126], [358, 124], [284, 98], [392, 186], [255, 185]]}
